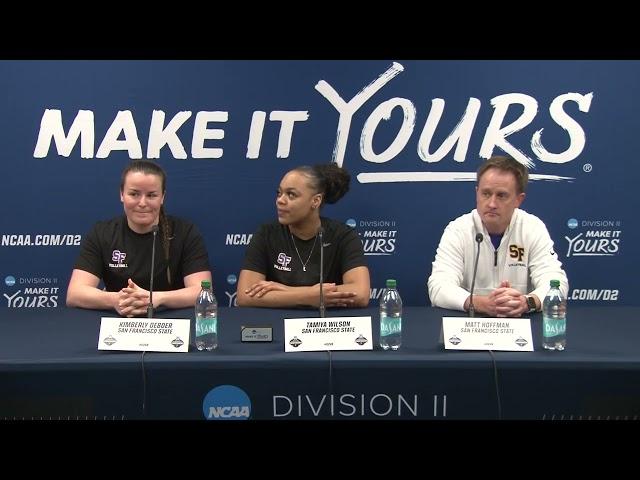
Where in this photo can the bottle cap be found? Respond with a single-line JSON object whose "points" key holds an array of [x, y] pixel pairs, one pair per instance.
{"points": [[391, 283], [205, 284], [554, 283]]}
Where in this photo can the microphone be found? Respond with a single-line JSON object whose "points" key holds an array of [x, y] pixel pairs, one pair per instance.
{"points": [[472, 310], [153, 262], [320, 235]]}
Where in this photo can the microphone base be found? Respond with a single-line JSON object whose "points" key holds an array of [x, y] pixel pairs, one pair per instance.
{"points": [[150, 311]]}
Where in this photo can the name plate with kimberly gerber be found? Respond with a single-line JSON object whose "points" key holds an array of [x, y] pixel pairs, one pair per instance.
{"points": [[474, 333], [332, 333], [144, 334]]}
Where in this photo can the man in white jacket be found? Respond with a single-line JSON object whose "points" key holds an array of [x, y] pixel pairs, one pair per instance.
{"points": [[517, 259]]}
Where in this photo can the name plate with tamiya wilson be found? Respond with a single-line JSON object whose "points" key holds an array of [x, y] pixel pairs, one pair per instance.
{"points": [[322, 334]]}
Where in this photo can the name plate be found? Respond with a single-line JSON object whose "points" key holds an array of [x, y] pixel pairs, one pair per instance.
{"points": [[322, 334], [507, 334], [144, 334], [256, 334]]}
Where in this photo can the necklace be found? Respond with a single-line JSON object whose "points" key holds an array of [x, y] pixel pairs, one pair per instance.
{"points": [[304, 264]]}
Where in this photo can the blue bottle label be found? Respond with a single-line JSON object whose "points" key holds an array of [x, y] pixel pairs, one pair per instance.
{"points": [[390, 325], [206, 325], [552, 327]]}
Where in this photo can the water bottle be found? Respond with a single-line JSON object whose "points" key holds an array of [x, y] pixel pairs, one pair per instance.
{"points": [[554, 318], [206, 318], [390, 317]]}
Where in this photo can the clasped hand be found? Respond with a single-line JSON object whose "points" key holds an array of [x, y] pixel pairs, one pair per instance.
{"points": [[132, 301], [506, 301], [332, 296]]}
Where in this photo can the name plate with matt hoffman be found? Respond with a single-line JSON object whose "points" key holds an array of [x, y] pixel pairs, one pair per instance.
{"points": [[474, 333], [144, 334], [329, 333]]}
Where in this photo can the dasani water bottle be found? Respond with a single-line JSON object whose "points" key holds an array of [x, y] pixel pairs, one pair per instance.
{"points": [[554, 318], [390, 317], [206, 318]]}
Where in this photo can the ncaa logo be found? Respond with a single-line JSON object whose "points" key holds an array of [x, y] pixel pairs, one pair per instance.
{"points": [[232, 279], [572, 223], [9, 281], [226, 402], [351, 223]]}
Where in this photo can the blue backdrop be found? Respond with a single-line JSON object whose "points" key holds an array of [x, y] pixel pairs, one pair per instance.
{"points": [[412, 134]]}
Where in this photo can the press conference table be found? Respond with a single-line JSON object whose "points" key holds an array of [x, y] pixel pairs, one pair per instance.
{"points": [[50, 367]]}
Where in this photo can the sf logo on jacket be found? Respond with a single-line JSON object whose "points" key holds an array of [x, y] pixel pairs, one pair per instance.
{"points": [[516, 252]]}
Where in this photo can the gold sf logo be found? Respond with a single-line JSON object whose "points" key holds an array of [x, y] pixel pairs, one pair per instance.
{"points": [[516, 252]]}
